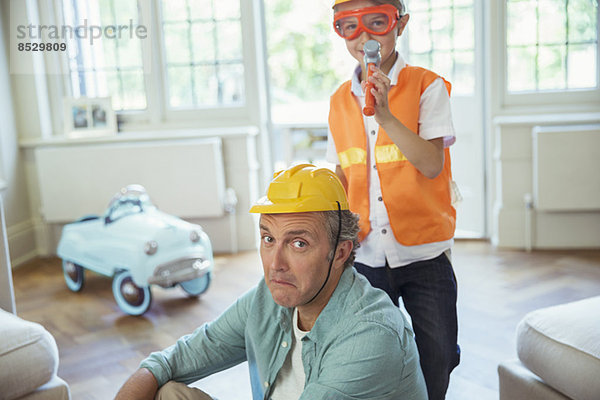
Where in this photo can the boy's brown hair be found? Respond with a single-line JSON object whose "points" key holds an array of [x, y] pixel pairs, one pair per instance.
{"points": [[399, 4]]}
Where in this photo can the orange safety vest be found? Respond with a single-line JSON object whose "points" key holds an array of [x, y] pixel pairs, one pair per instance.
{"points": [[419, 208]]}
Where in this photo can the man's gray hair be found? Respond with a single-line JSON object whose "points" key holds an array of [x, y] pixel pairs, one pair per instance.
{"points": [[349, 231]]}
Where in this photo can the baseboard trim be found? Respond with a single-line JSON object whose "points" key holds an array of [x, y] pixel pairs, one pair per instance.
{"points": [[20, 228], [559, 230], [21, 242], [25, 258]]}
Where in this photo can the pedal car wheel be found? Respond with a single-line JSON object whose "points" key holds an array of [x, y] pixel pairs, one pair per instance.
{"points": [[197, 286], [73, 275], [131, 298]]}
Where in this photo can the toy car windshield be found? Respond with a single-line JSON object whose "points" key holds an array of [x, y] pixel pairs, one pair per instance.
{"points": [[129, 200]]}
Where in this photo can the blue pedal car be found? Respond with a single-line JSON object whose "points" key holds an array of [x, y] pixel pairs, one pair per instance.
{"points": [[138, 245]]}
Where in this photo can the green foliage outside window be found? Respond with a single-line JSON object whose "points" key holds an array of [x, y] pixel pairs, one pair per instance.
{"points": [[551, 44], [301, 59]]}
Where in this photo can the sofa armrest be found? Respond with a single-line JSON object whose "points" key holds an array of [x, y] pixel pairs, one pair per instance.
{"points": [[519, 383], [28, 356], [56, 389]]}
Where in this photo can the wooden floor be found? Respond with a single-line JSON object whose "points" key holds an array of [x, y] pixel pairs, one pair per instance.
{"points": [[100, 346]]}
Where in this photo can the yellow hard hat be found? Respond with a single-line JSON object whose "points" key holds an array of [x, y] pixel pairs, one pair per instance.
{"points": [[302, 188], [340, 2]]}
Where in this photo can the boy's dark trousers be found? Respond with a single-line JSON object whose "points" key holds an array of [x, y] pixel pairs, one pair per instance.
{"points": [[428, 291]]}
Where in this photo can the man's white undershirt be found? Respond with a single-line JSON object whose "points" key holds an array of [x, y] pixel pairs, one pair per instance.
{"points": [[290, 379]]}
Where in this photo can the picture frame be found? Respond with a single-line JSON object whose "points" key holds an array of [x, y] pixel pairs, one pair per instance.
{"points": [[89, 116]]}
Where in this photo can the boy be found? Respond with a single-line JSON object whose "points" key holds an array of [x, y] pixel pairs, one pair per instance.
{"points": [[395, 167]]}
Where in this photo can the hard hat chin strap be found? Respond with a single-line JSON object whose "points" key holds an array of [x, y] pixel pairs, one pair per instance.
{"points": [[337, 240]]}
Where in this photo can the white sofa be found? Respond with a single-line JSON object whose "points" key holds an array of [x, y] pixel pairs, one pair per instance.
{"points": [[559, 355], [28, 352]]}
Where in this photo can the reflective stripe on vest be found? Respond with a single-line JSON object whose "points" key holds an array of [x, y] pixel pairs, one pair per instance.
{"points": [[388, 153], [383, 154], [353, 155]]}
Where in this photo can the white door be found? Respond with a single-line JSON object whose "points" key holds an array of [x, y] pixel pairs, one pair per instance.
{"points": [[446, 37], [468, 166]]}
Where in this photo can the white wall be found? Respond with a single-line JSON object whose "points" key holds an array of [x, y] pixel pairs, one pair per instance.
{"points": [[16, 197], [510, 154], [241, 173], [27, 121], [508, 136], [514, 178]]}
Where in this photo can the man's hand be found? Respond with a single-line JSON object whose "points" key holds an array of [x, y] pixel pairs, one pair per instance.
{"points": [[142, 385]]}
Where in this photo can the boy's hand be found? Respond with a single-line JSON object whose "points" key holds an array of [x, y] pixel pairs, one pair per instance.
{"points": [[381, 84]]}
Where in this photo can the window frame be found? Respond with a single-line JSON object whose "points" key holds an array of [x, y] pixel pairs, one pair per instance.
{"points": [[405, 45], [158, 114], [566, 100], [233, 114]]}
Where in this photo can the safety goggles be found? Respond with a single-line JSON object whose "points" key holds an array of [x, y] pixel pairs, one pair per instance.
{"points": [[378, 20]]}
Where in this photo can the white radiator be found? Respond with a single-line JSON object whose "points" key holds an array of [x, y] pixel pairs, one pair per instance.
{"points": [[182, 177], [566, 168]]}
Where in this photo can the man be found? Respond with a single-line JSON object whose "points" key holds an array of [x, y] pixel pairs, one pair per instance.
{"points": [[312, 328]]}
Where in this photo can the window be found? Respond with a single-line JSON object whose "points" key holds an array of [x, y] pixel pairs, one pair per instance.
{"points": [[203, 46], [441, 37], [307, 60], [105, 66], [551, 45], [198, 63]]}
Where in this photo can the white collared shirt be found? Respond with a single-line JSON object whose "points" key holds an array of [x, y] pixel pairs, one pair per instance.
{"points": [[435, 120]]}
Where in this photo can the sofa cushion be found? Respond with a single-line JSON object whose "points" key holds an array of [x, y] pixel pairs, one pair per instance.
{"points": [[28, 356], [561, 345]]}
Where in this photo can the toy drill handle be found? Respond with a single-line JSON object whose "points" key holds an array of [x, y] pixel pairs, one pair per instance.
{"points": [[372, 57], [369, 108]]}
